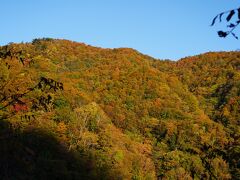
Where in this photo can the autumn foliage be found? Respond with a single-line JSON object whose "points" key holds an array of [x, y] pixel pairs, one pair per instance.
{"points": [[73, 111]]}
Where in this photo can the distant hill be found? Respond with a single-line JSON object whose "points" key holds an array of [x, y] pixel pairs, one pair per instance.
{"points": [[73, 111]]}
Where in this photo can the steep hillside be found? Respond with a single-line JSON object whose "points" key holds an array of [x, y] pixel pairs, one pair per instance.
{"points": [[73, 111]]}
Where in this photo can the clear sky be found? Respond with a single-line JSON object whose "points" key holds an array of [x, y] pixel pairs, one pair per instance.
{"points": [[164, 29]]}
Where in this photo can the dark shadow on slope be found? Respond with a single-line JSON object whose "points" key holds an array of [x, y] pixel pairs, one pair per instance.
{"points": [[36, 154]]}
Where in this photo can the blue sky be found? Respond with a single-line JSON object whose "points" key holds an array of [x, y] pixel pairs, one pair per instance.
{"points": [[164, 29]]}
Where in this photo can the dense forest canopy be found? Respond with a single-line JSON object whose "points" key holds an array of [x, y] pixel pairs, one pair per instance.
{"points": [[73, 111]]}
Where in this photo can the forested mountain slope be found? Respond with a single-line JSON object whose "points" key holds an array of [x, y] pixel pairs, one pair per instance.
{"points": [[73, 111]]}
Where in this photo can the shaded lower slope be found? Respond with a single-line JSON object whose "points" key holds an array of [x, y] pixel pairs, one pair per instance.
{"points": [[37, 154]]}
